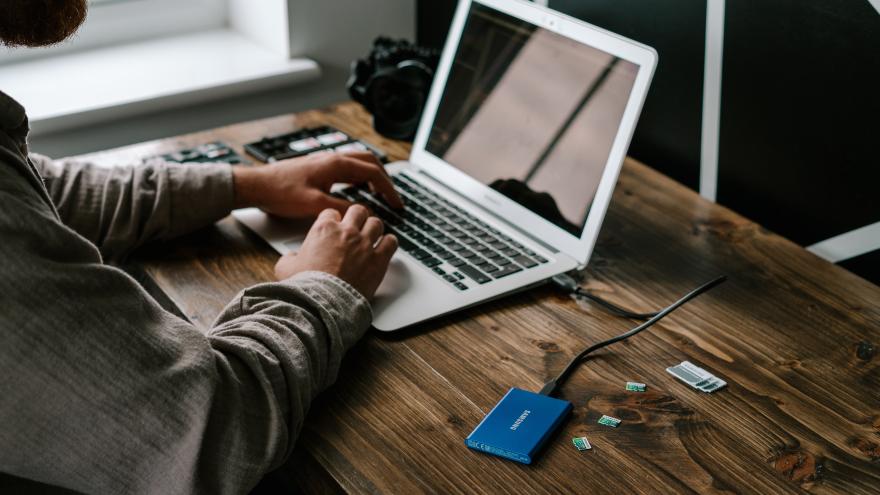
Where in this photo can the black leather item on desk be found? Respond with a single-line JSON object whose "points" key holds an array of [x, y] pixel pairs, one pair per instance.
{"points": [[214, 152]]}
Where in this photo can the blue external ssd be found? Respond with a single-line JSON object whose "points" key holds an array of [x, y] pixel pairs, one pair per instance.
{"points": [[518, 425]]}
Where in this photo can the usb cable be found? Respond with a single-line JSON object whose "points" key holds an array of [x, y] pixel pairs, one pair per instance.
{"points": [[567, 283]]}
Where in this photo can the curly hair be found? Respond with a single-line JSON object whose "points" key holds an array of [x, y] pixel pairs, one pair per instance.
{"points": [[39, 22]]}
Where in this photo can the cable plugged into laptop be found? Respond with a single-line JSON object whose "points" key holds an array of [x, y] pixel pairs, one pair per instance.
{"points": [[522, 421], [569, 285]]}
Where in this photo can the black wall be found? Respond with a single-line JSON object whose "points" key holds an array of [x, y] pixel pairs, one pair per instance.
{"points": [[800, 111]]}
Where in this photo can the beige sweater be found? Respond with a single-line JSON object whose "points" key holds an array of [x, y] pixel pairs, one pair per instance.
{"points": [[101, 390]]}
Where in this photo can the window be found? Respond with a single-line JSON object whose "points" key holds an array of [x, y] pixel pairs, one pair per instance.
{"points": [[118, 21], [144, 56]]}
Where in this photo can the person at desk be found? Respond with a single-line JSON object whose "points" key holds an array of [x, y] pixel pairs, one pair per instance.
{"points": [[105, 392]]}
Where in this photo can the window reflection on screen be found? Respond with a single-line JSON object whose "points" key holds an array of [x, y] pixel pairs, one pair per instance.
{"points": [[532, 114]]}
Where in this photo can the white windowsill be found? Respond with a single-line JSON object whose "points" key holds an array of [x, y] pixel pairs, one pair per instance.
{"points": [[104, 84]]}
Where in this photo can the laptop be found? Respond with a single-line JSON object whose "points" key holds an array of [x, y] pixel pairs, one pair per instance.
{"points": [[519, 147]]}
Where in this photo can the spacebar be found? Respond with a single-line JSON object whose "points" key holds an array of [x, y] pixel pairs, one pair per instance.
{"points": [[475, 274]]}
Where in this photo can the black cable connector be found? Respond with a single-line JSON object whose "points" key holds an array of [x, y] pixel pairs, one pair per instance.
{"points": [[550, 387], [568, 284]]}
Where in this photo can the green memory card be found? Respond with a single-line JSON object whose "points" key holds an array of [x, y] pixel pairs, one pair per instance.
{"points": [[635, 387], [581, 443], [609, 421]]}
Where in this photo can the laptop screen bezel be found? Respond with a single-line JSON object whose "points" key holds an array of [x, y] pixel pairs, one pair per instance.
{"points": [[579, 248]]}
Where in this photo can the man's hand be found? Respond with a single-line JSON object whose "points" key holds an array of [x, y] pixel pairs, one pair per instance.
{"points": [[353, 248], [300, 188]]}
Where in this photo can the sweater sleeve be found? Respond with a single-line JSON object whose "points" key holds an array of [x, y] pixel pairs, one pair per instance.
{"points": [[105, 392], [121, 208]]}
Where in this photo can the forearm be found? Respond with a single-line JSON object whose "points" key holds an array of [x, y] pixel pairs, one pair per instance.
{"points": [[121, 208], [297, 332], [167, 408]]}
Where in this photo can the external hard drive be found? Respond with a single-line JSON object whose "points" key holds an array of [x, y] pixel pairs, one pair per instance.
{"points": [[518, 425]]}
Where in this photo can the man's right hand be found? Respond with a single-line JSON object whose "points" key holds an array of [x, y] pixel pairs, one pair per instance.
{"points": [[352, 248]]}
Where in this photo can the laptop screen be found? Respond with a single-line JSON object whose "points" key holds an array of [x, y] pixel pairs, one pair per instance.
{"points": [[532, 114]]}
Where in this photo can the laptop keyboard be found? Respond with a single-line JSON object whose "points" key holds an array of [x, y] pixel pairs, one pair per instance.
{"points": [[454, 244]]}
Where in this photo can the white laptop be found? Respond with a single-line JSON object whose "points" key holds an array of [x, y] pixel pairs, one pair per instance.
{"points": [[517, 153]]}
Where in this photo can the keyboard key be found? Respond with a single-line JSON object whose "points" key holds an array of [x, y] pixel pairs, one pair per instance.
{"points": [[406, 244], [439, 271], [481, 260], [477, 276], [507, 270], [490, 269], [524, 261], [431, 262], [460, 286], [540, 258], [467, 254], [502, 262], [446, 255], [420, 254], [457, 262], [510, 252]]}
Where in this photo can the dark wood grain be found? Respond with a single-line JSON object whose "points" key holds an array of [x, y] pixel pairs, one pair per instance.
{"points": [[793, 335]]}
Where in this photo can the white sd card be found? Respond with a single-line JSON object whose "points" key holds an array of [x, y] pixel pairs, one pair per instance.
{"points": [[696, 377]]}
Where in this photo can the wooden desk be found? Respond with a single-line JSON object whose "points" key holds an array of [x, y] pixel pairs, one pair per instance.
{"points": [[794, 336]]}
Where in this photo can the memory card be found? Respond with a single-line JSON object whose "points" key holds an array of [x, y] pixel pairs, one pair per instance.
{"points": [[332, 138], [635, 387], [609, 421], [581, 443], [304, 144], [696, 377], [351, 147], [684, 375]]}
